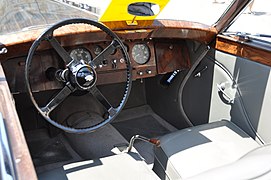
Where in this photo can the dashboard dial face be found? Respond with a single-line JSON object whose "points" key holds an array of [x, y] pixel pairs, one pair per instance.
{"points": [[141, 53], [97, 50], [79, 54]]}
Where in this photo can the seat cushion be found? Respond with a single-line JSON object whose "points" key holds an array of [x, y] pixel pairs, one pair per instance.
{"points": [[191, 151], [254, 165], [123, 166]]}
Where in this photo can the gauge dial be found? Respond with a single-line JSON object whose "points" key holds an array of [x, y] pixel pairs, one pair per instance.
{"points": [[79, 54], [141, 53], [97, 50]]}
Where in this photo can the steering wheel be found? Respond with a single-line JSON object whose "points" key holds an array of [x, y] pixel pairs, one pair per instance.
{"points": [[79, 75]]}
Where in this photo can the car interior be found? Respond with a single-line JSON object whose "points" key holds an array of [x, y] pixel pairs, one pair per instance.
{"points": [[171, 101]]}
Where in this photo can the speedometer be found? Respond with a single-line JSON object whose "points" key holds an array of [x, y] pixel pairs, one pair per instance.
{"points": [[81, 53], [141, 53]]}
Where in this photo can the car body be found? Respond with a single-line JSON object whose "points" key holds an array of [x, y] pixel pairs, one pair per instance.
{"points": [[188, 73]]}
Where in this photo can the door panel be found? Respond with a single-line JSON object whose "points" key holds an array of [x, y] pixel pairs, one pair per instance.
{"points": [[253, 81], [228, 77], [23, 165]]}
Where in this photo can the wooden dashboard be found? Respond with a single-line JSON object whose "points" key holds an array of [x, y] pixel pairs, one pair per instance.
{"points": [[164, 38], [166, 55]]}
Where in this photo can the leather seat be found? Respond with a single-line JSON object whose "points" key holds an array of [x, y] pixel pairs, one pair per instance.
{"points": [[254, 165], [202, 151], [123, 166]]}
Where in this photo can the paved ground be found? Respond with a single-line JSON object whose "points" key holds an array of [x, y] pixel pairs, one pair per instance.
{"points": [[257, 22], [208, 12]]}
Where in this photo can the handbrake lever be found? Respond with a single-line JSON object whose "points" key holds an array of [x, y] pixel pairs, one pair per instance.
{"points": [[153, 141]]}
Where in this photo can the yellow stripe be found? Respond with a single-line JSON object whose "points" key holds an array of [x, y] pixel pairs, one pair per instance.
{"points": [[118, 11]]}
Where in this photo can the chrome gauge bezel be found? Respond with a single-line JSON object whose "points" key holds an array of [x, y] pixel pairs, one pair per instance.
{"points": [[82, 49], [141, 57], [97, 49]]}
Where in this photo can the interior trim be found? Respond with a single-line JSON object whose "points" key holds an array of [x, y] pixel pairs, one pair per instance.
{"points": [[23, 163], [203, 51], [247, 49]]}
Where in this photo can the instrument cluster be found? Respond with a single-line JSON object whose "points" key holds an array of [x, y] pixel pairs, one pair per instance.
{"points": [[141, 54]]}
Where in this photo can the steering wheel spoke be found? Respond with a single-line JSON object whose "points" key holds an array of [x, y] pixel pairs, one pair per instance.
{"points": [[105, 53], [100, 97], [59, 98], [60, 50]]}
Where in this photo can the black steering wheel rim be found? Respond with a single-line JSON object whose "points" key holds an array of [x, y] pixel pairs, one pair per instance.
{"points": [[48, 36]]}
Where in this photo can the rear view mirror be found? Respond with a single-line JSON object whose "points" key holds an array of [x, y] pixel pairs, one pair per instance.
{"points": [[143, 9]]}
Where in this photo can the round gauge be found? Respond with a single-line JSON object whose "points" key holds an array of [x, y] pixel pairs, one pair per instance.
{"points": [[79, 54], [141, 53], [97, 50]]}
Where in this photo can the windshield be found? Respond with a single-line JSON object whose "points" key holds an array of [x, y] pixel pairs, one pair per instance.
{"points": [[202, 11], [22, 15]]}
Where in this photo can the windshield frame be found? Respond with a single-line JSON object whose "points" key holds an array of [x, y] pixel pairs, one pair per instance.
{"points": [[231, 14]]}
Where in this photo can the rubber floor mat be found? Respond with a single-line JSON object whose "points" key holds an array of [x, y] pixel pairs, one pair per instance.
{"points": [[48, 151], [146, 126]]}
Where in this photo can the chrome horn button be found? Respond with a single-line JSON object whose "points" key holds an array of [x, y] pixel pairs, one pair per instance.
{"points": [[83, 76]]}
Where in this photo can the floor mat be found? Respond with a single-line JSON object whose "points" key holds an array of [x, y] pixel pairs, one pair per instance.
{"points": [[146, 126], [48, 151]]}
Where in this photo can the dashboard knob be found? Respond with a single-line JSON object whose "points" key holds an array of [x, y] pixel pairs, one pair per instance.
{"points": [[140, 73], [148, 71], [114, 64], [122, 60]]}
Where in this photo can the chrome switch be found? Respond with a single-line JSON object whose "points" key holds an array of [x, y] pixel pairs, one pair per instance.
{"points": [[148, 71], [140, 73]]}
